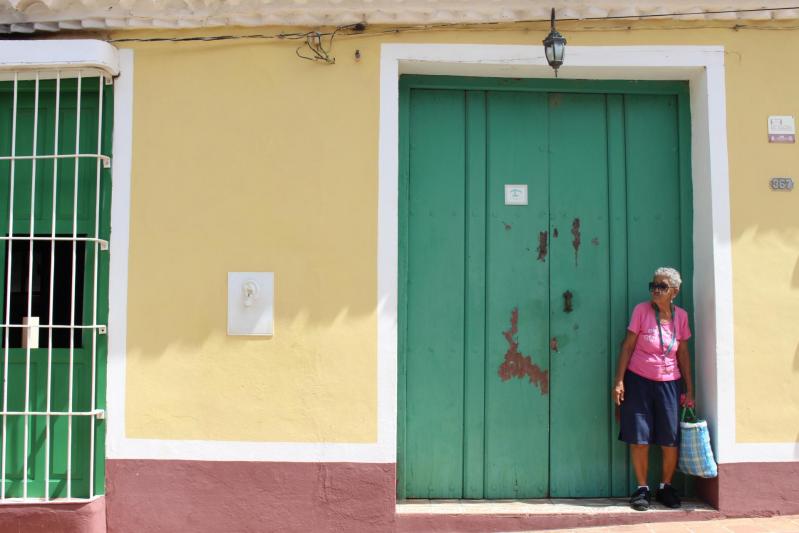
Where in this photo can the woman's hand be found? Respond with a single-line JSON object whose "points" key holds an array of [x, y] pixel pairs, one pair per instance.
{"points": [[687, 399], [684, 360], [618, 393], [627, 346]]}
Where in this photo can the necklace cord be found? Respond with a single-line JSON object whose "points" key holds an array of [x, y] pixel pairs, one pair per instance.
{"points": [[660, 329]]}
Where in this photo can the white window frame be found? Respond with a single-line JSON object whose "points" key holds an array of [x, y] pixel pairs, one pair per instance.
{"points": [[40, 60]]}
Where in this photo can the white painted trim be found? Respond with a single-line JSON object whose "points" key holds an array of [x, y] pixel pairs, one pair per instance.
{"points": [[774, 452], [210, 450], [122, 155], [58, 54], [118, 445], [769, 452]]}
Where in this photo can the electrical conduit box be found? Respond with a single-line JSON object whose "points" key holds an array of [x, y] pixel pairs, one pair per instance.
{"points": [[250, 303]]}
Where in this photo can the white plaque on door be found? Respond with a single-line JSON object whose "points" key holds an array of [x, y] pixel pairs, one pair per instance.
{"points": [[515, 194]]}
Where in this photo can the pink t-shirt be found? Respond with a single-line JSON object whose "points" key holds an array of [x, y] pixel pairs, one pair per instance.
{"points": [[649, 359]]}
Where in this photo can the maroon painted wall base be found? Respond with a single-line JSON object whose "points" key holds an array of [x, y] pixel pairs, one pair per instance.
{"points": [[54, 517], [753, 489], [210, 496]]}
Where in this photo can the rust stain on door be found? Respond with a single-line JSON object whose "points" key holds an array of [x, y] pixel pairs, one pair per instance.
{"points": [[576, 239], [542, 246], [518, 365]]}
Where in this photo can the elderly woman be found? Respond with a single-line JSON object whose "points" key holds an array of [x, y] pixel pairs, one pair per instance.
{"points": [[653, 360]]}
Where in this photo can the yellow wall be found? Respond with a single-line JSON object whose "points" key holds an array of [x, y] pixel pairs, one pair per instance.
{"points": [[247, 157]]}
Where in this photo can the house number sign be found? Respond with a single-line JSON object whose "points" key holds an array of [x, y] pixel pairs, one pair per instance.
{"points": [[781, 184]]}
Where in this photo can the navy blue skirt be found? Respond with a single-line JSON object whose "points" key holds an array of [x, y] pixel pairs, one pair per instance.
{"points": [[650, 411]]}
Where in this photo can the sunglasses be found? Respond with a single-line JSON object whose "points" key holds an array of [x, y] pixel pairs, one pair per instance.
{"points": [[660, 287]]}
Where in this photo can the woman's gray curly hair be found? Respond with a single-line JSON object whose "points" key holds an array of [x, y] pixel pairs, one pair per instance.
{"points": [[672, 274]]}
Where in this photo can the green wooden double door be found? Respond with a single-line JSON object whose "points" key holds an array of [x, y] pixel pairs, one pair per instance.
{"points": [[510, 316]]}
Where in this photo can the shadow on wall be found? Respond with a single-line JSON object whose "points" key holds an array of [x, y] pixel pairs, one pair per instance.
{"points": [[266, 186], [795, 278]]}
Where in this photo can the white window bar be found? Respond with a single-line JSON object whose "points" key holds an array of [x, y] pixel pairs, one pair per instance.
{"points": [[101, 242], [52, 287], [96, 413], [75, 323], [72, 297], [57, 326], [50, 238], [104, 158], [94, 290], [25, 332], [8, 280]]}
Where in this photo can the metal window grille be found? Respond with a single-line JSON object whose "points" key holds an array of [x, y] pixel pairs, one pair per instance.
{"points": [[55, 192]]}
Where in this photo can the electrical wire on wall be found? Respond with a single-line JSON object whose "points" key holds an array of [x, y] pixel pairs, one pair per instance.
{"points": [[318, 45]]}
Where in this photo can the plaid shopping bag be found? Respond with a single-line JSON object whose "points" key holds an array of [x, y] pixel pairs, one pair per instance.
{"points": [[696, 456]]}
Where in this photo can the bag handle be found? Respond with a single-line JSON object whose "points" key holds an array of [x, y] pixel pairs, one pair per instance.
{"points": [[689, 413]]}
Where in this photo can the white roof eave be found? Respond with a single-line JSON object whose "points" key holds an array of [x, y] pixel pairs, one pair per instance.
{"points": [[26, 16]]}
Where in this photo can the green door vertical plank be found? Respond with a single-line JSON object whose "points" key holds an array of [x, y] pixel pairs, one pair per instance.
{"points": [[653, 200], [435, 287], [517, 300], [474, 390], [685, 298], [580, 401], [653, 193], [617, 219], [403, 201]]}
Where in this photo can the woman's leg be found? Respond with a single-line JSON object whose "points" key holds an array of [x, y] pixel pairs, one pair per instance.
{"points": [[667, 495], [669, 463], [640, 458]]}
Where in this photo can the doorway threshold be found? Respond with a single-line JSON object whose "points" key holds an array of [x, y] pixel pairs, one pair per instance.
{"points": [[529, 515]]}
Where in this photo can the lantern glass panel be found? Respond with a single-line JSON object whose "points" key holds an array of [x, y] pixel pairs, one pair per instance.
{"points": [[559, 50]]}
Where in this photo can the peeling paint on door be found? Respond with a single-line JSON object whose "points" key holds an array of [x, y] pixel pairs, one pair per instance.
{"points": [[542, 246], [518, 365], [576, 239]]}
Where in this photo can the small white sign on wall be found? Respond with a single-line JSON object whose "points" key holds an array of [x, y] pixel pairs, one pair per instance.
{"points": [[515, 194], [250, 303], [781, 129]]}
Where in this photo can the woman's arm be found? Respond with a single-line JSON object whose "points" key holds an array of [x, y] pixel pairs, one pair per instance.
{"points": [[625, 353], [684, 360]]}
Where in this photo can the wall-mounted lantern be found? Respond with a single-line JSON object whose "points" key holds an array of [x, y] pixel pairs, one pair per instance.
{"points": [[554, 46]]}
